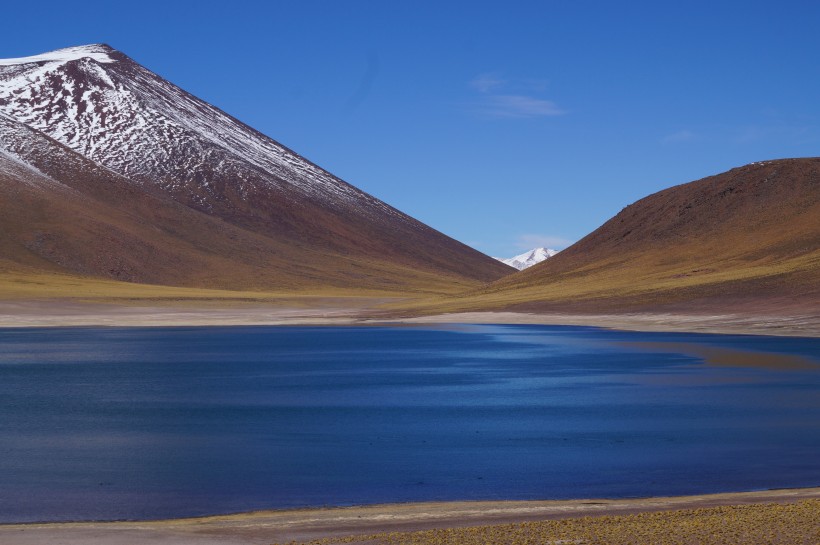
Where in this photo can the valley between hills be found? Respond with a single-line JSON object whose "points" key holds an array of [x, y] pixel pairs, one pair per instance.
{"points": [[124, 200]]}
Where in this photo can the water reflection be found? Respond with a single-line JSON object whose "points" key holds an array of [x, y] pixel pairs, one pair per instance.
{"points": [[729, 357]]}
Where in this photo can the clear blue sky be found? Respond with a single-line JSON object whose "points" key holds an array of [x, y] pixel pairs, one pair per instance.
{"points": [[503, 124]]}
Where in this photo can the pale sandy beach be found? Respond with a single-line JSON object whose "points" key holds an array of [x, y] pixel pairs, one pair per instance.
{"points": [[303, 525], [786, 325], [60, 314], [364, 311]]}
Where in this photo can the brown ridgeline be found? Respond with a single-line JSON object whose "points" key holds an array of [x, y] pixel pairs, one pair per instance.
{"points": [[109, 171], [744, 240]]}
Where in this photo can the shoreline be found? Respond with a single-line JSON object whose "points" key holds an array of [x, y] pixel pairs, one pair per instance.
{"points": [[308, 524], [726, 324], [333, 312]]}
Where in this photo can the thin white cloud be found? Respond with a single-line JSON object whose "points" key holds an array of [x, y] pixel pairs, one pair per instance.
{"points": [[516, 100], [484, 83], [517, 107], [530, 240], [679, 136]]}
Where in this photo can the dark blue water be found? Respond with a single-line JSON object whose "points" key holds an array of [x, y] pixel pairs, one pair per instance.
{"points": [[148, 423]]}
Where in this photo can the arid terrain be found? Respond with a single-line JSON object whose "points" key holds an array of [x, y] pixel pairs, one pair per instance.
{"points": [[746, 241], [118, 187], [737, 252]]}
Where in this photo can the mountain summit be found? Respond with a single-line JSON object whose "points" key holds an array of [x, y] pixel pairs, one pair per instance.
{"points": [[528, 259], [98, 52], [131, 171]]}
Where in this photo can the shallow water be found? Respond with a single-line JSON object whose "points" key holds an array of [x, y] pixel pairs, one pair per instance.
{"points": [[122, 423]]}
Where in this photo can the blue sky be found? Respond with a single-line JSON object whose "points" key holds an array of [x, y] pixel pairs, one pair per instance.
{"points": [[504, 125]]}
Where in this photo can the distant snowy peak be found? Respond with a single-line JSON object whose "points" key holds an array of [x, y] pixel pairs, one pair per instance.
{"points": [[528, 259]]}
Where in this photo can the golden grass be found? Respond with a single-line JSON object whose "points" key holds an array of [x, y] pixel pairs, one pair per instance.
{"points": [[640, 282], [644, 281], [756, 524], [45, 286]]}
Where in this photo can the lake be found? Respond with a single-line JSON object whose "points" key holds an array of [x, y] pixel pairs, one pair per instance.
{"points": [[143, 423]]}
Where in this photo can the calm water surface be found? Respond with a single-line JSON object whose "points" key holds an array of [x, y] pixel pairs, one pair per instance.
{"points": [[165, 422]]}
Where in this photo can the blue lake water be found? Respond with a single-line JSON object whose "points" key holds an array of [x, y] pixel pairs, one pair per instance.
{"points": [[122, 423]]}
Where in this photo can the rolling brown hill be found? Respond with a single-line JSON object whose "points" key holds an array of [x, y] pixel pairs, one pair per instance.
{"points": [[109, 171], [747, 239]]}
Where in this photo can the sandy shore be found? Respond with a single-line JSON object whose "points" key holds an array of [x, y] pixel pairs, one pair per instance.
{"points": [[747, 324], [312, 524], [171, 314], [365, 311]]}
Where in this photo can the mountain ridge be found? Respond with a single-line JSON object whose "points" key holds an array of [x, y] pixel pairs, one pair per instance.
{"points": [[748, 238]]}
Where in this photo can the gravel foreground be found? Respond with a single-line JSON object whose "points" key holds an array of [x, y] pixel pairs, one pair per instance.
{"points": [[759, 524], [778, 517]]}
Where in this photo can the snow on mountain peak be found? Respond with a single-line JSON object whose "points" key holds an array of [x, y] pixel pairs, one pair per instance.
{"points": [[122, 116], [98, 52], [528, 259]]}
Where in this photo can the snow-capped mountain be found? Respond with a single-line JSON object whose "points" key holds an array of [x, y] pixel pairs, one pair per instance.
{"points": [[110, 109], [120, 124], [528, 259]]}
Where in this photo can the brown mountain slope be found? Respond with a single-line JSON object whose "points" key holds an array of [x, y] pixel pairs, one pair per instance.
{"points": [[746, 239], [60, 213], [108, 170]]}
